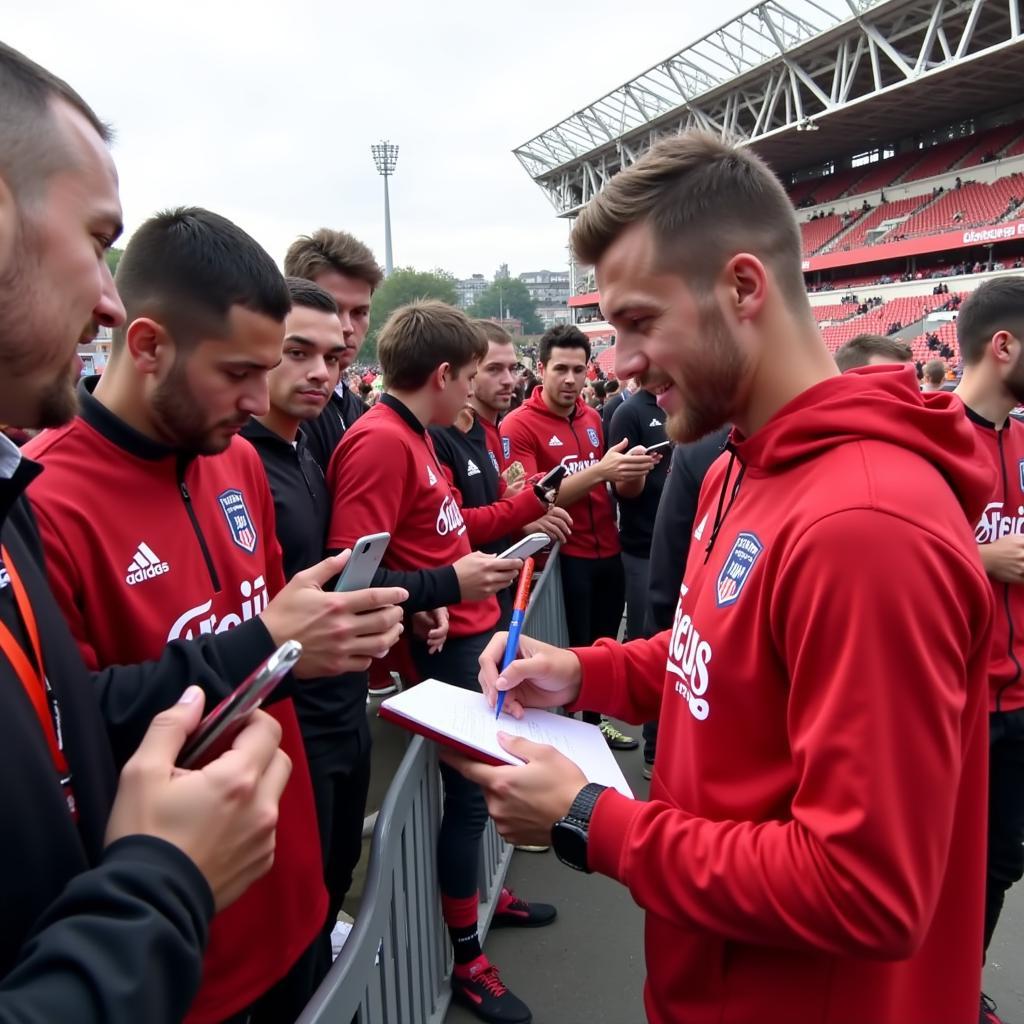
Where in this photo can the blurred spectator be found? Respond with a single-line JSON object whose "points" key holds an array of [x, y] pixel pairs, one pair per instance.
{"points": [[871, 350], [933, 375]]}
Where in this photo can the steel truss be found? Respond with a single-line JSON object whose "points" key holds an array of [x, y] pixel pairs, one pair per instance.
{"points": [[774, 69]]}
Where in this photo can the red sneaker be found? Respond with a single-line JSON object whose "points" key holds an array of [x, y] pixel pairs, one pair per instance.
{"points": [[478, 986], [513, 912]]}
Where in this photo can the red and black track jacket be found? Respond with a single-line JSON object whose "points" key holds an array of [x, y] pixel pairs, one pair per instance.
{"points": [[1004, 515], [541, 440], [145, 546]]}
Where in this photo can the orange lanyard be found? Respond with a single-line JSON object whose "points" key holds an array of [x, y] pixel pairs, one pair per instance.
{"points": [[32, 677]]}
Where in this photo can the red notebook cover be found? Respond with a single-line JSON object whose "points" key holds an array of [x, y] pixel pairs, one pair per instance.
{"points": [[438, 737]]}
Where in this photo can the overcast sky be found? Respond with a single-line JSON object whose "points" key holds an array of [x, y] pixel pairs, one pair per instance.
{"points": [[265, 112]]}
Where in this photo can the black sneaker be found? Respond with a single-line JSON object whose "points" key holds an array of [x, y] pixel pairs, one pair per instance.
{"points": [[615, 739], [988, 1013], [483, 992], [512, 912]]}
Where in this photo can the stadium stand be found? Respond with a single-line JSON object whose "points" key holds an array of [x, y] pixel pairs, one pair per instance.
{"points": [[815, 233], [857, 236], [886, 172], [835, 311], [973, 204], [946, 334], [936, 159], [906, 311], [834, 186], [914, 165], [993, 141]]}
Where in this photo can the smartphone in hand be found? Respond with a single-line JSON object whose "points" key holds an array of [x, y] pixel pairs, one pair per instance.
{"points": [[215, 732], [529, 545], [363, 563]]}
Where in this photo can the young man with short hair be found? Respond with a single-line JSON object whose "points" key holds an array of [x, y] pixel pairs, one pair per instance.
{"points": [[346, 269], [556, 427], [385, 476], [990, 330], [108, 884], [187, 549], [477, 459], [933, 374], [332, 710], [810, 719]]}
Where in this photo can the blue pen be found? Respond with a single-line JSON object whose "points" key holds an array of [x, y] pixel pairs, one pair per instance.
{"points": [[516, 626]]}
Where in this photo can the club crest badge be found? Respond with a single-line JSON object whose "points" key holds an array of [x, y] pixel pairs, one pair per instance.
{"points": [[506, 448], [592, 436], [737, 569], [494, 461], [243, 532], [1020, 473]]}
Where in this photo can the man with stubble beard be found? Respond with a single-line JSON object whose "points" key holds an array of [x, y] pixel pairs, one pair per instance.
{"points": [[990, 330], [108, 885]]}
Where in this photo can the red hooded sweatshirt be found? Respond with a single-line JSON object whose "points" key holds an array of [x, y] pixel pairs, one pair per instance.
{"points": [[1003, 515], [541, 440], [814, 844]]}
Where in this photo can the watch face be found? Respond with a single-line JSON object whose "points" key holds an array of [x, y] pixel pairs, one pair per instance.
{"points": [[570, 843]]}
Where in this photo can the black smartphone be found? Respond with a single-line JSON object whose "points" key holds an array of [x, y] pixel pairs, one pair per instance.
{"points": [[216, 731], [552, 478]]}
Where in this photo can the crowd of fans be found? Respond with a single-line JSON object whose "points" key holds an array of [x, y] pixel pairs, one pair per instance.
{"points": [[186, 512]]}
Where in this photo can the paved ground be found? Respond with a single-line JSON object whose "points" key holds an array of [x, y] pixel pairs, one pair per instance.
{"points": [[598, 937]]}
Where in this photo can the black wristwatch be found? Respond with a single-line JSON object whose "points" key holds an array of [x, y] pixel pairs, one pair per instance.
{"points": [[569, 834]]}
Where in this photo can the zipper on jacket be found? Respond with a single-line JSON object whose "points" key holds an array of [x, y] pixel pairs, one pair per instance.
{"points": [[187, 501], [1006, 586], [590, 498]]}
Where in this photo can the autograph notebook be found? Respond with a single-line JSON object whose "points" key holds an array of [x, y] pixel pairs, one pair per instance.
{"points": [[462, 719]]}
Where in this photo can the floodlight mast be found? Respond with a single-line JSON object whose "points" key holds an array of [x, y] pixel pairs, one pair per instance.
{"points": [[385, 157]]}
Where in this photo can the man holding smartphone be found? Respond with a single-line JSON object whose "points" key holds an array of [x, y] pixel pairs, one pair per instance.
{"points": [[331, 710], [108, 884], [385, 476], [556, 427], [474, 456], [186, 548]]}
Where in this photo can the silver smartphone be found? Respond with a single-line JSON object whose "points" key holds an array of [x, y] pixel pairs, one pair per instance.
{"points": [[653, 449], [529, 545], [363, 563], [216, 731]]}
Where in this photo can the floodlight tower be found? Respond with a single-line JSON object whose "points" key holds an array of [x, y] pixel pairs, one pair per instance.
{"points": [[385, 156]]}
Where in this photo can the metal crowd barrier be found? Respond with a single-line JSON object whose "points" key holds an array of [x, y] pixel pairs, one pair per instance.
{"points": [[394, 968]]}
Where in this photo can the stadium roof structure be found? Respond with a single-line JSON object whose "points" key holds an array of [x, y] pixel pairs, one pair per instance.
{"points": [[802, 81]]}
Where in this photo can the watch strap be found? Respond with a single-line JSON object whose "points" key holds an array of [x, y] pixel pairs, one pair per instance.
{"points": [[583, 806]]}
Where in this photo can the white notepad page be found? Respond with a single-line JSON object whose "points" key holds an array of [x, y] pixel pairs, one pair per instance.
{"points": [[464, 715]]}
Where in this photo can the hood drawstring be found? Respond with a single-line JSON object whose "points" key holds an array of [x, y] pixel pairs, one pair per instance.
{"points": [[720, 516]]}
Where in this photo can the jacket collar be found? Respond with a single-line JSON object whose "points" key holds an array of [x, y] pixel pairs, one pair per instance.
{"points": [[976, 417], [16, 473], [256, 431], [114, 429], [403, 411]]}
